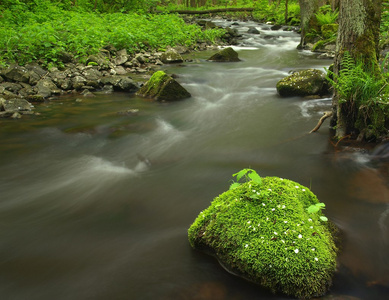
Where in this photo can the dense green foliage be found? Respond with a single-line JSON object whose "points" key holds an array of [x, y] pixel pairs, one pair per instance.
{"points": [[45, 32], [262, 230], [276, 12], [366, 90]]}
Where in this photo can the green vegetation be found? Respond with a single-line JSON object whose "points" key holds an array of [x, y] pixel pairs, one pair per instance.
{"points": [[366, 90], [46, 31], [267, 231], [275, 11]]}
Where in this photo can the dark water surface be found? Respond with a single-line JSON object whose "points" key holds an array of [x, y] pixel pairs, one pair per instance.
{"points": [[82, 217]]}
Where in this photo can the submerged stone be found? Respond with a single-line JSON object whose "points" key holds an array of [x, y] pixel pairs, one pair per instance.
{"points": [[163, 87], [303, 83], [264, 233], [225, 55]]}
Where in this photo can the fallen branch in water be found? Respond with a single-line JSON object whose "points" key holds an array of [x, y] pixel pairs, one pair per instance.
{"points": [[326, 115]]}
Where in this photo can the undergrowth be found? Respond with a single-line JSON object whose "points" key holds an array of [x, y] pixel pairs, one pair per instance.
{"points": [[28, 35]]}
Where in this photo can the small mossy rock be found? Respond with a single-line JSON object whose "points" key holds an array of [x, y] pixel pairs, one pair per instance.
{"points": [[303, 83], [171, 56], [225, 55], [264, 234], [163, 87]]}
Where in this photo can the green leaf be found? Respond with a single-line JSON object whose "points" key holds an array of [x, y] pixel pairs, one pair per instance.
{"points": [[321, 205], [325, 219], [313, 209], [255, 177], [240, 174], [234, 185]]}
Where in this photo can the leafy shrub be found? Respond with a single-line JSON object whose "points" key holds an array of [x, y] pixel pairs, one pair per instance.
{"points": [[46, 35]]}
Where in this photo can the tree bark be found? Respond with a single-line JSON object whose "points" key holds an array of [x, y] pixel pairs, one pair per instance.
{"points": [[359, 24], [308, 8]]}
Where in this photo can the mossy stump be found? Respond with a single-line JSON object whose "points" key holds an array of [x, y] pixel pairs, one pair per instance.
{"points": [[303, 83], [264, 233], [162, 87], [225, 55]]}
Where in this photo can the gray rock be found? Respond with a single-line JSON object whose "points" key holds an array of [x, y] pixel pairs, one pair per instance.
{"points": [[16, 105], [120, 83], [303, 83], [78, 82], [253, 30], [16, 73], [163, 87], [171, 56], [46, 87], [100, 60], [12, 87], [225, 55]]}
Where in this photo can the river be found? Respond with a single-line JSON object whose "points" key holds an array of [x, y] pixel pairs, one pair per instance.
{"points": [[96, 204]]}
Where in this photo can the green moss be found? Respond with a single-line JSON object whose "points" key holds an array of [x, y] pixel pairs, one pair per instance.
{"points": [[162, 87], [265, 234], [329, 30], [303, 83]]}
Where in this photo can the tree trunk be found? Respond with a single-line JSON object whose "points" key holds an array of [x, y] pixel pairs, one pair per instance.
{"points": [[308, 8], [359, 24]]}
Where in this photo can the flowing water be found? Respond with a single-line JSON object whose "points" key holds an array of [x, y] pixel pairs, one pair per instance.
{"points": [[95, 204]]}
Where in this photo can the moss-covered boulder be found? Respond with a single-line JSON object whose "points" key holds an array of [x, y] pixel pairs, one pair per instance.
{"points": [[303, 83], [162, 87], [225, 55], [264, 233]]}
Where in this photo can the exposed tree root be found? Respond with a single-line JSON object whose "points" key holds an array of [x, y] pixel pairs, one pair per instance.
{"points": [[326, 115]]}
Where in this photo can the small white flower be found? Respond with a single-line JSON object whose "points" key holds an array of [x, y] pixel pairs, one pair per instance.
{"points": [[269, 190], [296, 250], [254, 191], [275, 233], [283, 241], [246, 245], [311, 227], [300, 236], [283, 206], [273, 209], [298, 224], [250, 226], [285, 222], [313, 249], [296, 186], [286, 259], [316, 259], [281, 178], [303, 190], [254, 229], [267, 219], [263, 204], [270, 266], [310, 220], [248, 222]]}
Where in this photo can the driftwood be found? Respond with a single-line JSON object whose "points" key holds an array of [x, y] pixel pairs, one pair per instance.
{"points": [[209, 11], [326, 115]]}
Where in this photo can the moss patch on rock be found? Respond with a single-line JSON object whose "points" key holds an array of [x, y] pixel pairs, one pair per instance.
{"points": [[264, 233], [303, 83], [163, 87]]}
